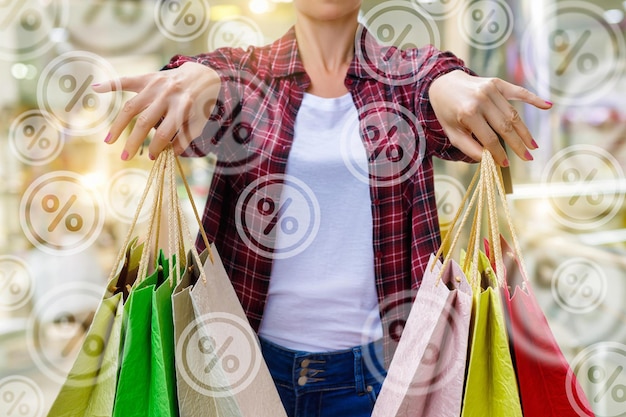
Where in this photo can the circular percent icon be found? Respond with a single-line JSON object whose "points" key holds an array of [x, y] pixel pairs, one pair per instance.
{"points": [[486, 24], [394, 144], [394, 23], [26, 25], [576, 177], [60, 215], [601, 368], [579, 285], [235, 32], [34, 139], [124, 193], [438, 9], [218, 355], [182, 20], [57, 328], [20, 397], [449, 194], [16, 283], [64, 91], [128, 26], [277, 216], [585, 59]]}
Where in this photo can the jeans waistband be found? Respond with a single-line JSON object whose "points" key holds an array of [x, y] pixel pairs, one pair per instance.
{"points": [[306, 371]]}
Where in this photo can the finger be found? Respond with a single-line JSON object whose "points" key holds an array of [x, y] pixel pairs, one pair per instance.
{"points": [[164, 135], [483, 132], [515, 92], [133, 84], [147, 119], [511, 115], [464, 142], [130, 109], [505, 127]]}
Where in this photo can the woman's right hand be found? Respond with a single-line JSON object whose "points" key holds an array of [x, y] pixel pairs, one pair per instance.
{"points": [[177, 102]]}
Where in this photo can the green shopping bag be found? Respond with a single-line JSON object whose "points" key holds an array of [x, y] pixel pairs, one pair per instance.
{"points": [[491, 385], [89, 389], [146, 383]]}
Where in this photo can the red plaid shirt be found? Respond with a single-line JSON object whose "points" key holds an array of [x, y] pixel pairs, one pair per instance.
{"points": [[251, 131]]}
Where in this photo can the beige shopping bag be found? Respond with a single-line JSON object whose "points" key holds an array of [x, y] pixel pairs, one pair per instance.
{"points": [[219, 355]]}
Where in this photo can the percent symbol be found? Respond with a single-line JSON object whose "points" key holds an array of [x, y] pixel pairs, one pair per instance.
{"points": [[586, 290], [479, 16], [267, 207], [597, 375], [232, 40], [182, 13], [446, 207], [51, 204], [127, 193], [9, 283], [15, 403], [387, 33], [30, 19], [207, 345], [68, 84], [393, 151], [573, 175], [29, 132], [561, 43]]}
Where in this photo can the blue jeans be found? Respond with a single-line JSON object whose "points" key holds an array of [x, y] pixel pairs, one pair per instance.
{"points": [[341, 383]]}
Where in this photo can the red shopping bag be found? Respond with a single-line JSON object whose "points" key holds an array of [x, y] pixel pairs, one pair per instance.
{"points": [[548, 386]]}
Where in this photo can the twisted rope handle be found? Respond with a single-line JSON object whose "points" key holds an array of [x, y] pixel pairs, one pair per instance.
{"points": [[162, 169]]}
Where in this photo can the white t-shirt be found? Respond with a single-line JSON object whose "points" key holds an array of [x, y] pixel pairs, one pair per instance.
{"points": [[324, 297]]}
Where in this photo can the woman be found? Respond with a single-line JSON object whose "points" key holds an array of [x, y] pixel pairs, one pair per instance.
{"points": [[300, 100]]}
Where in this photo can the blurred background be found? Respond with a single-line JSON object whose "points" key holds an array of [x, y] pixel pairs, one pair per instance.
{"points": [[67, 200]]}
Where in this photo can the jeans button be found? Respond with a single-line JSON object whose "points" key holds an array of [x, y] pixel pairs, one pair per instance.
{"points": [[304, 371], [305, 363], [302, 380]]}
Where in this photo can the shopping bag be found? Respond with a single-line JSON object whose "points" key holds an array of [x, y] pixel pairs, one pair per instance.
{"points": [[192, 402], [491, 385], [219, 355], [147, 377], [89, 389], [426, 375], [548, 386]]}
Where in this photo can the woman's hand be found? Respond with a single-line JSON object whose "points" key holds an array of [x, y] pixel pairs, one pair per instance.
{"points": [[176, 102], [473, 110]]}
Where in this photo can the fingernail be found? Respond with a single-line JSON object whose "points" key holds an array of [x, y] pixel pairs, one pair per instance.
{"points": [[534, 144], [152, 158], [108, 138], [505, 163], [124, 156], [95, 85], [549, 103], [528, 156]]}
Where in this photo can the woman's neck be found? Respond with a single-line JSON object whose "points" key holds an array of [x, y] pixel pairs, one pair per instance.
{"points": [[326, 49]]}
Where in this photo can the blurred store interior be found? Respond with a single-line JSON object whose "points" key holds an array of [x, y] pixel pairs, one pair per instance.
{"points": [[568, 204]]}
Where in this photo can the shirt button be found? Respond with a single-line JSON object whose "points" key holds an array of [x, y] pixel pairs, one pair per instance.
{"points": [[302, 380], [379, 255], [375, 201]]}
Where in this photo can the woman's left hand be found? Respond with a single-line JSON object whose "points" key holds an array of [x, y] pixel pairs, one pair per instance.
{"points": [[474, 110]]}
